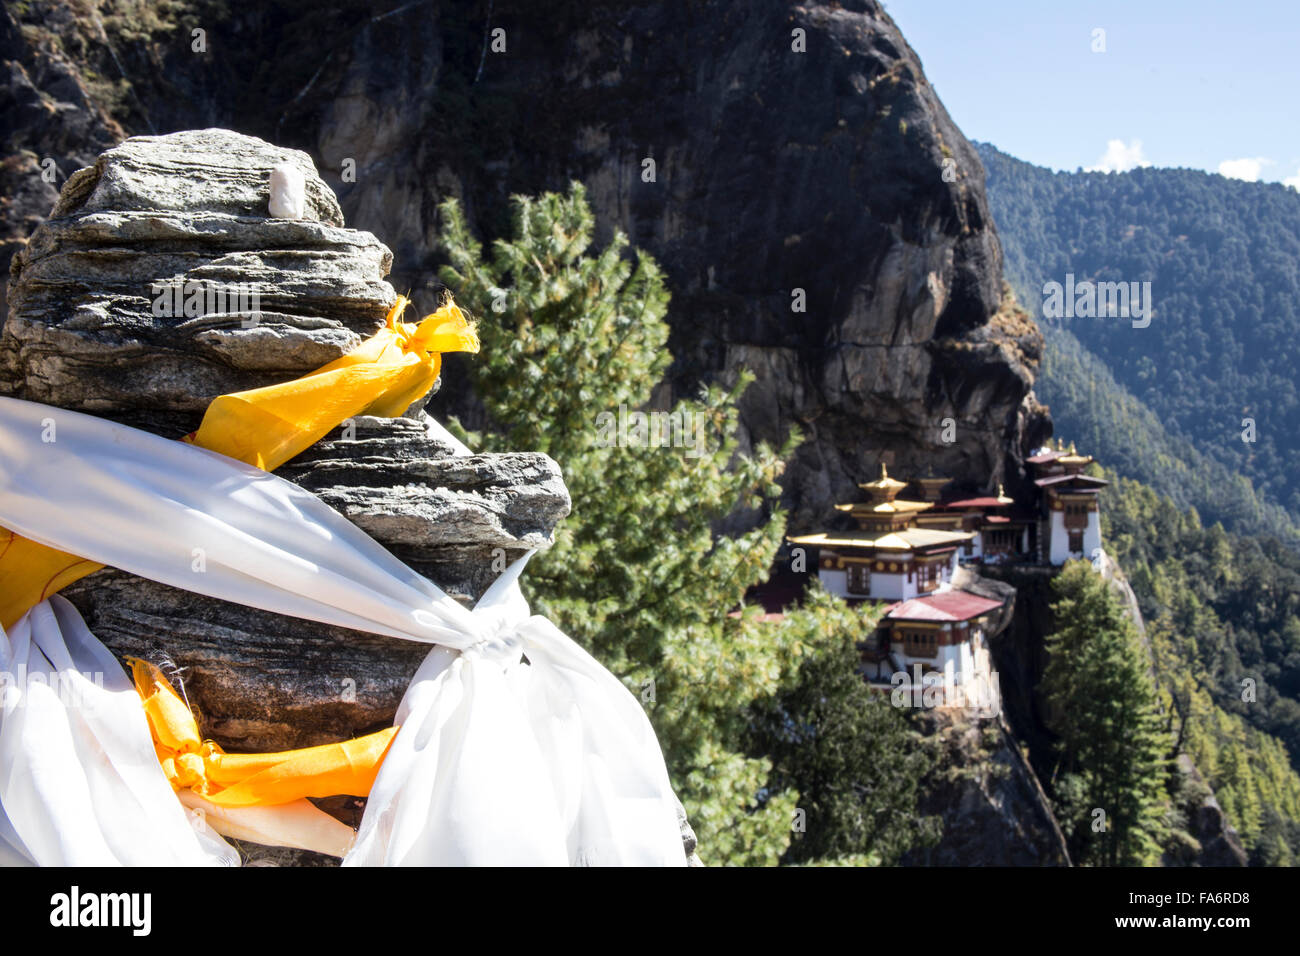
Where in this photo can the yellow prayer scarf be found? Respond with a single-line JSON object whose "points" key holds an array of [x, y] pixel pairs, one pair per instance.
{"points": [[265, 427]]}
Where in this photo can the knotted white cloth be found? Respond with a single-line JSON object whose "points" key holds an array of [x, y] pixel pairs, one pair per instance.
{"points": [[516, 746]]}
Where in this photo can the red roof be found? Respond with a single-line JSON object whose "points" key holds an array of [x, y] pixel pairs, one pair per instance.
{"points": [[1045, 457], [946, 606]]}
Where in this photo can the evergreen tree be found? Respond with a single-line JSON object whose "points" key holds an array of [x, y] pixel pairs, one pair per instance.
{"points": [[847, 751], [1105, 714], [573, 349], [1221, 614]]}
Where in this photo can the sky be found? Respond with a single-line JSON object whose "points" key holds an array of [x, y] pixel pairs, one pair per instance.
{"points": [[1206, 85]]}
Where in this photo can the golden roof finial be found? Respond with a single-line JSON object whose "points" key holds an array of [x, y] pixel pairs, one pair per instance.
{"points": [[1001, 493], [883, 473], [1072, 451]]}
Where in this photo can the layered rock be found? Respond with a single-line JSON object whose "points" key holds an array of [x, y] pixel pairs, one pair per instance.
{"points": [[159, 282], [263, 681], [85, 332]]}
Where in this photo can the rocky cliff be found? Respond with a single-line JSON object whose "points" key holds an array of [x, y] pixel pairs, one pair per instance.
{"points": [[994, 811], [822, 221]]}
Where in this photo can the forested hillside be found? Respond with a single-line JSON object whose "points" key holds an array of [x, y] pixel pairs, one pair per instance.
{"points": [[1089, 406], [1223, 260], [1204, 524], [1223, 614]]}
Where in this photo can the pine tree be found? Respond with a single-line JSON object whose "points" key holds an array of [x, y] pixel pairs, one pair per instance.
{"points": [[1105, 713], [573, 348], [847, 751]]}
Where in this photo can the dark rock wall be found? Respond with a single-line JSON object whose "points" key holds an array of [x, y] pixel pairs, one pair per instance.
{"points": [[775, 170], [994, 810]]}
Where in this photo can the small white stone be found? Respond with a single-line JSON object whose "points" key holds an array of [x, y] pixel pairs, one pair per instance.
{"points": [[288, 193]]}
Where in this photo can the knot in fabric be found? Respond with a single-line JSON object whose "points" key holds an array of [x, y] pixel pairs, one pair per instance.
{"points": [[498, 636], [187, 771], [247, 780]]}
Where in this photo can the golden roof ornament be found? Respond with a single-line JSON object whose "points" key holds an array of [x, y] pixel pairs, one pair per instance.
{"points": [[884, 486]]}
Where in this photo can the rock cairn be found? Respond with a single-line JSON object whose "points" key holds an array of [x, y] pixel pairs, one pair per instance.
{"points": [[160, 282]]}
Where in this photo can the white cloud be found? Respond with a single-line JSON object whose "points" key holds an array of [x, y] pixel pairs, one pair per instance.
{"points": [[1119, 158], [1293, 181], [1248, 169]]}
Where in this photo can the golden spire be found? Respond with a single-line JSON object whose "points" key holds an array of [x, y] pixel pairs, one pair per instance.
{"points": [[1072, 451], [884, 487]]}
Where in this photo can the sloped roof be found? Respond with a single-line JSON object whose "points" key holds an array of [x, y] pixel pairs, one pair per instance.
{"points": [[989, 502], [898, 506], [945, 606]]}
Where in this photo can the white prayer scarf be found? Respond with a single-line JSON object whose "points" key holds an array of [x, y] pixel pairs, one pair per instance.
{"points": [[80, 784], [515, 747]]}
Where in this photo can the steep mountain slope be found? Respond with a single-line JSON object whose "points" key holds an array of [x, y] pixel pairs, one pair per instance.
{"points": [[1223, 615], [1220, 605], [1223, 260], [1088, 405]]}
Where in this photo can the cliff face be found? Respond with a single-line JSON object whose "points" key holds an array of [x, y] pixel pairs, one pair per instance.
{"points": [[783, 180], [822, 221], [994, 810]]}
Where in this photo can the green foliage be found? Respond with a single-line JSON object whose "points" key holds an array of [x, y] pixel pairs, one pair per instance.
{"points": [[1106, 419], [1104, 712], [848, 753], [638, 573], [1223, 258], [1164, 405], [1223, 611]]}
